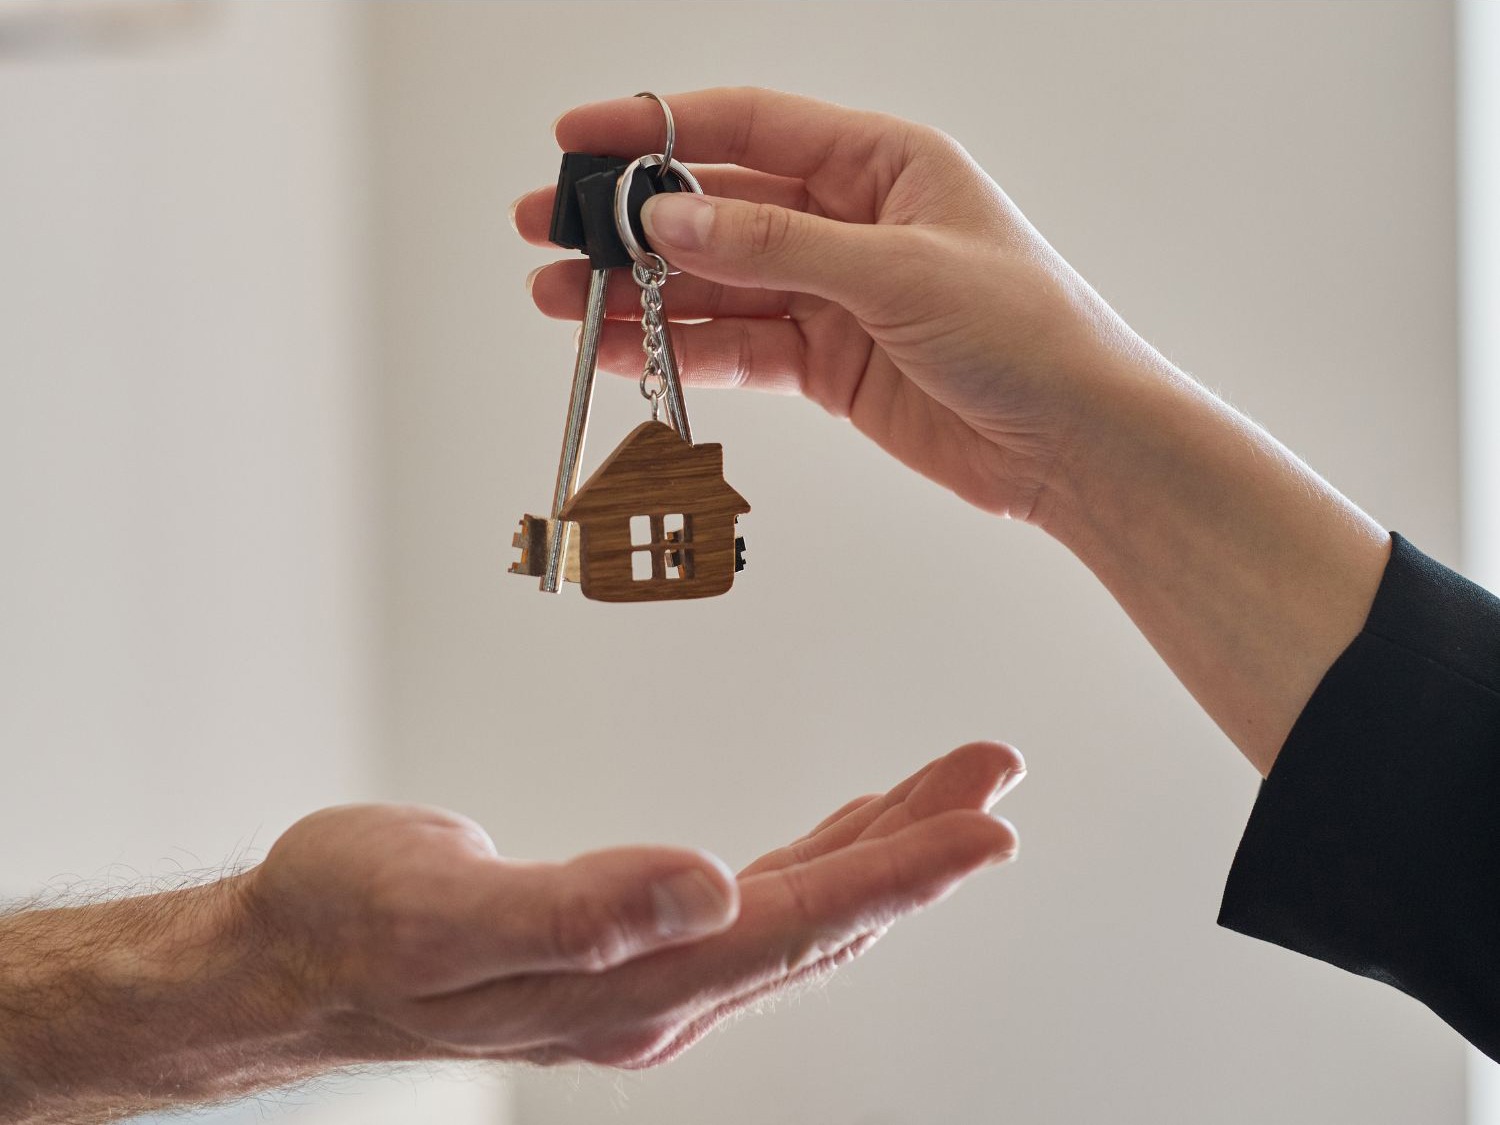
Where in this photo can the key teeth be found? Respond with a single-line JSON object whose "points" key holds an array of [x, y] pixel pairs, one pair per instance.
{"points": [[531, 540]]}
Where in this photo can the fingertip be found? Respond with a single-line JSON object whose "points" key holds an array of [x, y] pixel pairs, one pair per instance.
{"points": [[1008, 781], [1001, 755], [1007, 841], [679, 220], [561, 126], [977, 839], [531, 216], [571, 129], [558, 289], [696, 901], [998, 763], [606, 908], [720, 874]]}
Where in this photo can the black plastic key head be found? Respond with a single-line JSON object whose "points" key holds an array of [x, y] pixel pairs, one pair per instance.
{"points": [[583, 212], [567, 219]]}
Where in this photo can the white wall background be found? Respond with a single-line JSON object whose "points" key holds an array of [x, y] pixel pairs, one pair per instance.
{"points": [[222, 588], [1267, 191], [186, 576], [184, 482]]}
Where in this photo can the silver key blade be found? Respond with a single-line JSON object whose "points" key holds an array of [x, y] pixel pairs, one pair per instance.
{"points": [[578, 419]]}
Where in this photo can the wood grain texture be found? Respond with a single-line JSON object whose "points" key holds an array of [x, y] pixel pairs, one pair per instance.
{"points": [[654, 473]]}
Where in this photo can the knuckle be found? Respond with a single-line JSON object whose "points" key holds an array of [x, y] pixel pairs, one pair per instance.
{"points": [[801, 895], [744, 356], [588, 932], [748, 99], [930, 139], [802, 851], [713, 305], [768, 230]]}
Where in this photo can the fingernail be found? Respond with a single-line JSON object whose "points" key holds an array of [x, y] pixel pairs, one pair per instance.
{"points": [[531, 277], [1008, 781], [577, 338], [515, 206], [689, 903], [680, 219]]}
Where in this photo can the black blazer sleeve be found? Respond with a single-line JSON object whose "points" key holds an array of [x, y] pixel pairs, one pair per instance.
{"points": [[1375, 843]]}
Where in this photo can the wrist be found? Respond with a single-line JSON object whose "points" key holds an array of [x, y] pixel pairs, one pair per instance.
{"points": [[303, 960], [142, 1003], [1246, 571], [1127, 403]]}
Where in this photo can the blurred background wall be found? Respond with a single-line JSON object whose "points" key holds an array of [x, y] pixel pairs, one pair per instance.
{"points": [[185, 648], [274, 395], [189, 610]]}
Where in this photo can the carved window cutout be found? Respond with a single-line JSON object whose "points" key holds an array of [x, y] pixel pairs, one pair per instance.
{"points": [[660, 547], [679, 546]]}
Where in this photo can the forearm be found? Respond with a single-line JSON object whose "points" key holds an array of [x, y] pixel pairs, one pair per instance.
{"points": [[1246, 571], [119, 1008]]}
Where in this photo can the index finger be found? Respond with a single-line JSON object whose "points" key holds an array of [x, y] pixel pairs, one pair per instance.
{"points": [[785, 134]]}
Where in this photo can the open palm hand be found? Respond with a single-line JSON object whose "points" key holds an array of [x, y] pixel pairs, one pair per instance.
{"points": [[412, 938]]}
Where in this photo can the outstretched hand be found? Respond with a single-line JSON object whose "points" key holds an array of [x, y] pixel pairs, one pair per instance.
{"points": [[865, 262], [407, 936]]}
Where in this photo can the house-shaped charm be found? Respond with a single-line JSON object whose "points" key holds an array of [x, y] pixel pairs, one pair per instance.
{"points": [[657, 521]]}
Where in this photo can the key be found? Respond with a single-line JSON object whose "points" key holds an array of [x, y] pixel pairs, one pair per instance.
{"points": [[584, 218], [547, 548], [568, 229], [686, 544], [584, 369], [532, 539], [545, 544]]}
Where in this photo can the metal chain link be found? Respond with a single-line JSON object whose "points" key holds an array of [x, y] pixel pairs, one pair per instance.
{"points": [[650, 276]]}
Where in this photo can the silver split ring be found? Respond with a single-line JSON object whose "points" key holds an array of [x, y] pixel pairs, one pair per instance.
{"points": [[666, 111], [622, 199]]}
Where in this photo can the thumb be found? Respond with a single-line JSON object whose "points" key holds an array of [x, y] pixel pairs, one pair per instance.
{"points": [[762, 246], [609, 907]]}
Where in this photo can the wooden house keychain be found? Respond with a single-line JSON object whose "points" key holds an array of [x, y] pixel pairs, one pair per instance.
{"points": [[656, 521]]}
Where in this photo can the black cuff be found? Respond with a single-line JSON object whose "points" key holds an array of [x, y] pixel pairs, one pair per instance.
{"points": [[1375, 843]]}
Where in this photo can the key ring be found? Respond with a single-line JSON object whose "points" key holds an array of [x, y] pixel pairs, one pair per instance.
{"points": [[622, 203], [666, 111], [661, 160]]}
